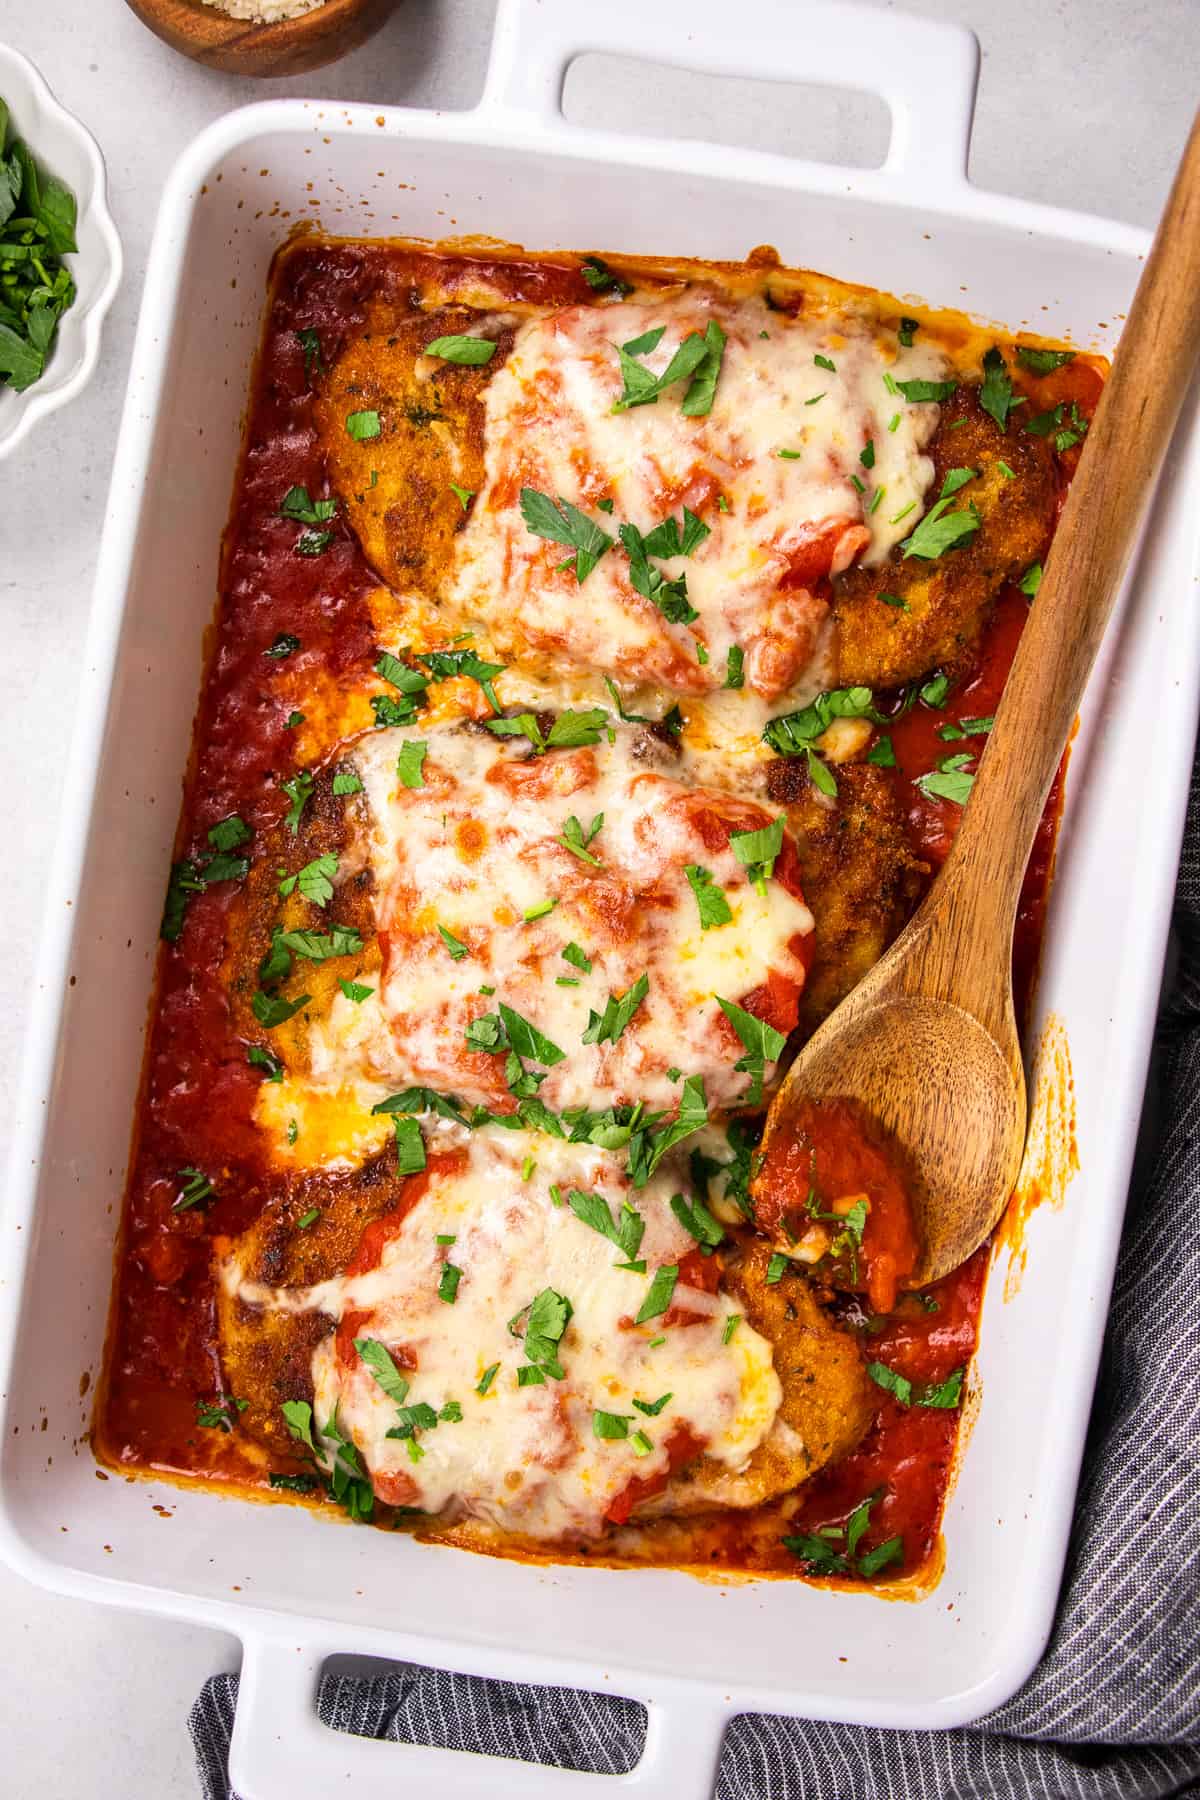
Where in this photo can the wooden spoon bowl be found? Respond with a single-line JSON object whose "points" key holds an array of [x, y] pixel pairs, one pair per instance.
{"points": [[287, 47], [927, 1043]]}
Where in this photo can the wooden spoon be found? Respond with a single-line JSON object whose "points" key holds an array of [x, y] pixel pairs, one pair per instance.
{"points": [[927, 1043]]}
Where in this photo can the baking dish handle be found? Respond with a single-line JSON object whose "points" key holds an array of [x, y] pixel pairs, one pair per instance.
{"points": [[280, 1750], [926, 71]]}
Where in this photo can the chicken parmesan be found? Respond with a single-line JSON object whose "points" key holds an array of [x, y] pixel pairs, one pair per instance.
{"points": [[604, 653]]}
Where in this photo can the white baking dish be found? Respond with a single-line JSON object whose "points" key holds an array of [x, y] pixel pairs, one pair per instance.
{"points": [[294, 1588]]}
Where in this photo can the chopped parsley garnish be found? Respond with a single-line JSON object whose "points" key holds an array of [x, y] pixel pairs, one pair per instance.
{"points": [[879, 1558], [346, 782], [486, 1379], [539, 910], [219, 1414], [562, 523], [310, 343], [908, 327], [651, 1138], [606, 1027], [996, 394], [762, 1044], [866, 455], [419, 1417], [714, 907], [315, 880], [378, 1359], [463, 495], [1045, 423], [735, 667], [448, 1283], [470, 352], [946, 1393], [507, 1030], [698, 357], [940, 530], [454, 945], [920, 390], [669, 538], [194, 875], [313, 543], [823, 362], [610, 1425], [777, 1268], [410, 1145], [820, 1551], [297, 1416], [546, 1319], [652, 1408], [576, 839], [297, 504], [731, 1325], [794, 734], [261, 1059], [894, 600], [882, 753], [1043, 362], [299, 791], [411, 762], [308, 1219], [659, 1294], [593, 1210], [577, 958], [197, 1190], [949, 781], [670, 597], [757, 851], [954, 730], [943, 1395], [293, 719], [571, 730], [283, 645], [891, 1381], [319, 946], [403, 677], [270, 1010], [363, 425], [443, 665], [695, 1217], [1031, 580], [601, 279]]}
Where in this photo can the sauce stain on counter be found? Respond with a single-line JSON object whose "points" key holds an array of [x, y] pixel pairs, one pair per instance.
{"points": [[1051, 1158]]}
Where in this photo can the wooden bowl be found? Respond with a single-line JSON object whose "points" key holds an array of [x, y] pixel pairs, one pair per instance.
{"points": [[287, 47]]}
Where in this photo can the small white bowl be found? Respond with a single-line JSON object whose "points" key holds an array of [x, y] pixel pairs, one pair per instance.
{"points": [[67, 149]]}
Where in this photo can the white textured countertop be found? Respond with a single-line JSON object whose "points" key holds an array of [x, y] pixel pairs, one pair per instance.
{"points": [[1082, 102]]}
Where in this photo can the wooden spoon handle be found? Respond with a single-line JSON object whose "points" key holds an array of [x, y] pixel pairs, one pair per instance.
{"points": [[1128, 438]]}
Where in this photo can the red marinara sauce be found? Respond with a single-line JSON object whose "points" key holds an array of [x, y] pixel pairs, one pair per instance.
{"points": [[198, 1095], [835, 1176]]}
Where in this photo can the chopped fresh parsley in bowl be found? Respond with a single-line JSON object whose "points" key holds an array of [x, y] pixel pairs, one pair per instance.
{"points": [[37, 230]]}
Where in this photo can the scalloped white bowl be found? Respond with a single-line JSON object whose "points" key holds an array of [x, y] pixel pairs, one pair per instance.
{"points": [[67, 149]]}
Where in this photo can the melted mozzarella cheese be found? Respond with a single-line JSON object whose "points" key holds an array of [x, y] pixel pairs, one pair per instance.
{"points": [[479, 850], [527, 1458], [781, 448], [474, 850]]}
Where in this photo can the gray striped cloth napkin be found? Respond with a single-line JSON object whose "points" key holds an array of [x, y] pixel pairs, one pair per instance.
{"points": [[1113, 1710]]}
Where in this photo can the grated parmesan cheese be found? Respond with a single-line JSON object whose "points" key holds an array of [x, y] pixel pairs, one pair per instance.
{"points": [[264, 12]]}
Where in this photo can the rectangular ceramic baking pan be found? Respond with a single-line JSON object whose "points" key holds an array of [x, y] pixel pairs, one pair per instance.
{"points": [[297, 1589]]}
